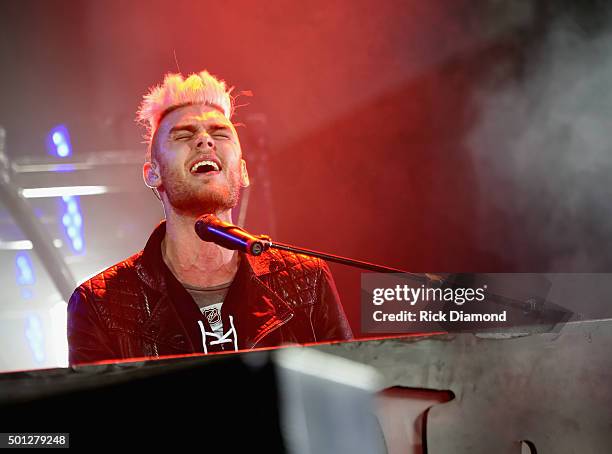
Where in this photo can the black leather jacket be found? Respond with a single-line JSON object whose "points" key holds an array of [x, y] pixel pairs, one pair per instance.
{"points": [[137, 308]]}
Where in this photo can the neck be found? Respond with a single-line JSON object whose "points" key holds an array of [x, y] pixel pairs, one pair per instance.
{"points": [[195, 262]]}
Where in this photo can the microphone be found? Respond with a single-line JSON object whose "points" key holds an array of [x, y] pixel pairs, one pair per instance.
{"points": [[212, 229]]}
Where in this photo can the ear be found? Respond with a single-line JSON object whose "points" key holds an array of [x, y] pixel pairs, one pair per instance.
{"points": [[150, 175], [244, 174]]}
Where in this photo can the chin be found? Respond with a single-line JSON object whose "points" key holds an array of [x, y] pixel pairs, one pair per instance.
{"points": [[209, 198], [212, 203]]}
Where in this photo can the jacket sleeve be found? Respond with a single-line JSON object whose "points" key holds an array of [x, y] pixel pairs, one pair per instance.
{"points": [[88, 339], [329, 321]]}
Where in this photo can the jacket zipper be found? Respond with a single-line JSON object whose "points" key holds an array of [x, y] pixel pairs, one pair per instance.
{"points": [[278, 325], [149, 314], [282, 322]]}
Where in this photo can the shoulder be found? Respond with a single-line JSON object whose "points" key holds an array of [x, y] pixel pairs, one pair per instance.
{"points": [[110, 298], [275, 261], [119, 276]]}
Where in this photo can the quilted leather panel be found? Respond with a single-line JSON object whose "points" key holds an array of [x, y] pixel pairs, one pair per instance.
{"points": [[293, 277]]}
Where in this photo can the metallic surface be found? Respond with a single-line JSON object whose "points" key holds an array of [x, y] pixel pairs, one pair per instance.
{"points": [[553, 389]]}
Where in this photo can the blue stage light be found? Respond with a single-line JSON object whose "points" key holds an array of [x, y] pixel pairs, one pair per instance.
{"points": [[24, 269], [72, 207], [35, 336], [77, 244], [72, 220], [58, 138], [63, 150], [58, 142]]}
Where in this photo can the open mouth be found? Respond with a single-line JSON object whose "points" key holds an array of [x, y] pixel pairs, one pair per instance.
{"points": [[205, 167]]}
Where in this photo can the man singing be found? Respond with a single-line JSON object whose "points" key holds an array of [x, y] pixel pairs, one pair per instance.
{"points": [[181, 294]]}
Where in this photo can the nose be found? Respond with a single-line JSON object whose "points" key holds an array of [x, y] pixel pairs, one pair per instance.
{"points": [[205, 142]]}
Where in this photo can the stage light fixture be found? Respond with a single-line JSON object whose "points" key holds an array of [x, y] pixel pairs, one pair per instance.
{"points": [[58, 142]]}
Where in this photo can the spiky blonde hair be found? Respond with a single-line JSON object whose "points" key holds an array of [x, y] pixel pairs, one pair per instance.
{"points": [[176, 91]]}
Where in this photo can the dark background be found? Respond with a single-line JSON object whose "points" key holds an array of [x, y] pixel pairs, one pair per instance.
{"points": [[432, 136]]}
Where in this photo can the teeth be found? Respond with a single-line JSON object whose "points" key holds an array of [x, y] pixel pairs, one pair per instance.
{"points": [[197, 165]]}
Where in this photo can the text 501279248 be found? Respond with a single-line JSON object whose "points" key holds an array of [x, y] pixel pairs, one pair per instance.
{"points": [[34, 440]]}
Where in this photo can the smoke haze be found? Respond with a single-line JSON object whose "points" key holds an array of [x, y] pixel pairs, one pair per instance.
{"points": [[541, 148]]}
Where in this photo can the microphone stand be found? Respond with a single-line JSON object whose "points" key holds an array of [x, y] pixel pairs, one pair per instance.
{"points": [[269, 244]]}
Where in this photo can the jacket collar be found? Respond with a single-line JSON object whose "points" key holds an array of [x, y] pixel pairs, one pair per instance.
{"points": [[150, 265]]}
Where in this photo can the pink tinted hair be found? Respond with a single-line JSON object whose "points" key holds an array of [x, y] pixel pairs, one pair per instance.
{"points": [[176, 91]]}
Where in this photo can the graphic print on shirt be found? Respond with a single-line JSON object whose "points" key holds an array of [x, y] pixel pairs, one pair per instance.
{"points": [[213, 317], [216, 337]]}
